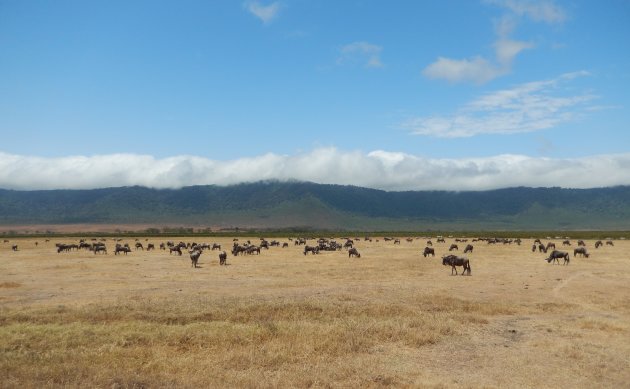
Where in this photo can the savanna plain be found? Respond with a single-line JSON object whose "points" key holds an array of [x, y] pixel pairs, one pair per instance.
{"points": [[284, 319]]}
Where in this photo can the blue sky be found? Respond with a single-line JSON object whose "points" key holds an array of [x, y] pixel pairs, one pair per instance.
{"points": [[413, 94]]}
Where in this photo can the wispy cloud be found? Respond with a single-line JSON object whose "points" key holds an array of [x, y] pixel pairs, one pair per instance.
{"points": [[539, 11], [378, 169], [525, 108], [479, 70], [361, 52], [266, 13]]}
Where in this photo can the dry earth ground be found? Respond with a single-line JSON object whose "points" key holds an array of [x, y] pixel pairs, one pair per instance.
{"points": [[282, 319]]}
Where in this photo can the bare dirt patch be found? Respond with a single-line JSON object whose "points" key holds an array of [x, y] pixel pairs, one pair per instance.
{"points": [[390, 318]]}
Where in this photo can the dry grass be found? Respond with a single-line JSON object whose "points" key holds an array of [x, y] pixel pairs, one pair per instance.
{"points": [[282, 319]]}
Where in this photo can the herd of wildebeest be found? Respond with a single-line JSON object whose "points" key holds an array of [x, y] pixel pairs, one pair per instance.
{"points": [[195, 250]]}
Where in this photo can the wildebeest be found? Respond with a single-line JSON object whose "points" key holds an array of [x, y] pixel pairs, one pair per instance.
{"points": [[216, 246], [14, 247], [428, 251], [122, 249], [455, 261], [100, 249], [598, 243], [566, 243], [353, 252], [150, 247], [609, 243], [542, 248], [194, 257], [429, 243], [285, 245], [468, 249], [582, 251], [222, 258], [139, 246], [453, 247], [314, 250], [441, 240], [550, 245], [581, 243], [534, 248], [175, 249], [555, 255]]}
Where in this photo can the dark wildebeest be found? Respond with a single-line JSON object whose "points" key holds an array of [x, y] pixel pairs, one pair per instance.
{"points": [[285, 245], [441, 240], [598, 243], [314, 250], [534, 248], [353, 252], [453, 247], [252, 250], [100, 249], [542, 249], [455, 261], [566, 243], [429, 243], [428, 251], [609, 243], [150, 247], [468, 249], [139, 246], [582, 251], [581, 243], [14, 247], [550, 245], [222, 258], [396, 241], [556, 255], [194, 257], [122, 249], [175, 249], [216, 246]]}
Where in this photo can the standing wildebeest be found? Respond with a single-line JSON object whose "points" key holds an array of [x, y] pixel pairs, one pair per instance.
{"points": [[100, 249], [175, 249], [453, 247], [468, 249], [14, 247], [139, 246], [534, 248], [150, 247], [598, 243], [222, 258], [428, 251], [550, 245], [216, 246], [555, 255], [542, 249], [429, 243], [581, 250], [566, 243], [122, 249], [314, 250], [455, 261], [285, 245], [609, 243], [441, 240], [194, 257], [353, 252]]}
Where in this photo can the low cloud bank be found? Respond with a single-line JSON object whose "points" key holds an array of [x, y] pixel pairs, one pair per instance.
{"points": [[377, 169]]}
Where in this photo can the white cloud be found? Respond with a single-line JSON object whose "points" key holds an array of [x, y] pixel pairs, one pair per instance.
{"points": [[477, 70], [364, 52], [525, 108], [266, 13], [378, 169], [538, 11]]}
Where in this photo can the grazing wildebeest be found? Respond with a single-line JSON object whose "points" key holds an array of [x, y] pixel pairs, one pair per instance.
{"points": [[194, 257], [566, 243], [252, 250], [550, 245], [410, 240], [216, 246], [598, 243], [14, 247], [429, 243], [582, 251], [428, 251], [100, 249], [455, 261], [348, 245], [285, 245], [542, 249], [468, 249], [222, 258], [537, 241], [534, 248], [453, 247], [162, 246], [441, 240], [175, 249], [555, 255], [150, 247], [122, 249], [314, 250], [353, 252], [139, 246], [581, 243], [609, 243]]}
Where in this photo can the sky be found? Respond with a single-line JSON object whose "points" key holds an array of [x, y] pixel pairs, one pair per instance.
{"points": [[393, 95]]}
